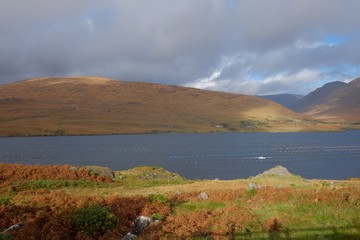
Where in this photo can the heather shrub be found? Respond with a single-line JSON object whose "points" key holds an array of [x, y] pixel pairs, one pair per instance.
{"points": [[6, 236], [5, 201], [157, 198], [157, 216], [251, 193], [94, 220]]}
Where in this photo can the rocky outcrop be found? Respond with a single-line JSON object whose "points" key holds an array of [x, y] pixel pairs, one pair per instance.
{"points": [[276, 171], [147, 173], [100, 171], [95, 171]]}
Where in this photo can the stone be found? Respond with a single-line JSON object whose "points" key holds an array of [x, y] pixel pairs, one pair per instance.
{"points": [[140, 224], [252, 186], [13, 227], [203, 196], [73, 168], [177, 193], [129, 236]]}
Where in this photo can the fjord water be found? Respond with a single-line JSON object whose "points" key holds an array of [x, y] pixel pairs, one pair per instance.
{"points": [[198, 156]]}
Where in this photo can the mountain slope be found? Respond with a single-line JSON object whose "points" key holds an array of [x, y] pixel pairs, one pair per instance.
{"points": [[90, 105], [317, 96], [336, 100], [287, 100]]}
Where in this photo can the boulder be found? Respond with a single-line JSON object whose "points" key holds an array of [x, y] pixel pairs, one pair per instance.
{"points": [[203, 196], [252, 186], [129, 236], [140, 224]]}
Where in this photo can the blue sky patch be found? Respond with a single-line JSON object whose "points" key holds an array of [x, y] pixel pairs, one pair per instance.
{"points": [[335, 39]]}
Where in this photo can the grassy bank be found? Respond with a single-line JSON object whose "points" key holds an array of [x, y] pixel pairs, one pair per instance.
{"points": [[65, 202]]}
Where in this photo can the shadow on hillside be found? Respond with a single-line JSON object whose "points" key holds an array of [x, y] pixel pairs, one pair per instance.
{"points": [[339, 233]]}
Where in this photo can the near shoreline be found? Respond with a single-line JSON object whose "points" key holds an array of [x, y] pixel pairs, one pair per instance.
{"points": [[52, 202]]}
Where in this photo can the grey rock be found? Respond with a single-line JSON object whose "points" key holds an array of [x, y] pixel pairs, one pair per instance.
{"points": [[129, 236], [101, 171], [73, 168], [140, 224], [13, 227], [203, 196], [252, 186]]}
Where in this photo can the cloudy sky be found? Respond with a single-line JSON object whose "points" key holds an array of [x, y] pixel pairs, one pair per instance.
{"points": [[243, 46]]}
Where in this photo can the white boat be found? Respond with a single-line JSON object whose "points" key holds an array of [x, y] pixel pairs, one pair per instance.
{"points": [[261, 158]]}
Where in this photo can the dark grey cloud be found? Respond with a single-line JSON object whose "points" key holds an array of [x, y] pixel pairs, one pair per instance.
{"points": [[247, 46]]}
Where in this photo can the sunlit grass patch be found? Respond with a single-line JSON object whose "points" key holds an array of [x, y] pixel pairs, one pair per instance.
{"points": [[198, 206], [295, 215]]}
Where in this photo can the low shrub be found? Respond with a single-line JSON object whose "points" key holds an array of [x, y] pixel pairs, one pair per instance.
{"points": [[251, 193], [94, 220], [5, 201], [157, 216], [153, 198], [6, 236]]}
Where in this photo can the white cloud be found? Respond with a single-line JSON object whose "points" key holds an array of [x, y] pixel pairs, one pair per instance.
{"points": [[207, 83], [300, 83], [220, 45]]}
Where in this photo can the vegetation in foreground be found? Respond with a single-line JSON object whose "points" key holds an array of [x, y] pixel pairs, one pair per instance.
{"points": [[66, 202]]}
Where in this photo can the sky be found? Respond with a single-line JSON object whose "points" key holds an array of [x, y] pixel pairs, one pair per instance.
{"points": [[254, 47]]}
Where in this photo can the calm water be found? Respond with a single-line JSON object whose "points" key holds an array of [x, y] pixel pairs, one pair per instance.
{"points": [[199, 156]]}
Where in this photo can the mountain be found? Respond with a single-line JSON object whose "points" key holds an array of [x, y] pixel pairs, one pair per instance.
{"points": [[287, 100], [317, 96], [333, 101], [92, 105]]}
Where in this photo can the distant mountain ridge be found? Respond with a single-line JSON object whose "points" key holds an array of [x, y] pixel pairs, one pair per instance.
{"points": [[317, 96], [92, 105], [287, 100], [333, 101]]}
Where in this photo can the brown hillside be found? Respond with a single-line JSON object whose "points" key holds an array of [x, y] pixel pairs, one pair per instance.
{"points": [[91, 105]]}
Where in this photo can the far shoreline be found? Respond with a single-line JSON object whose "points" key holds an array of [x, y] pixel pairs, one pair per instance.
{"points": [[169, 132]]}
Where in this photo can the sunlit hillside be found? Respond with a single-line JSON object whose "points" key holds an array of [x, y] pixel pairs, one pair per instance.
{"points": [[91, 105]]}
